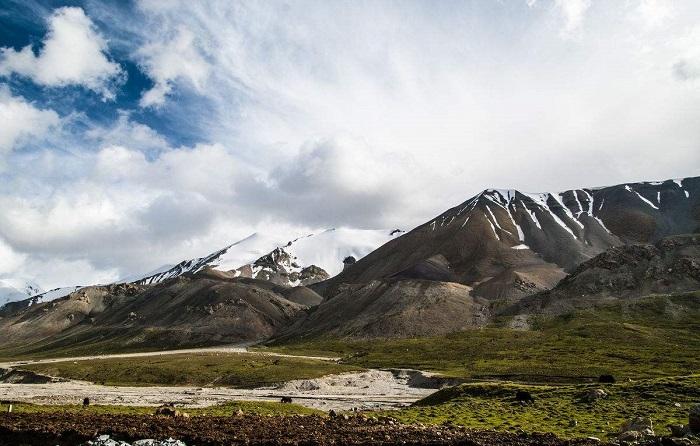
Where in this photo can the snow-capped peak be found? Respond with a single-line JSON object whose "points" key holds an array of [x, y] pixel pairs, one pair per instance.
{"points": [[15, 289], [325, 250]]}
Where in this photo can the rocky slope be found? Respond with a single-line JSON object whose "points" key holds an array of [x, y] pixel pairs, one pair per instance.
{"points": [[186, 311], [671, 265], [509, 244], [394, 308]]}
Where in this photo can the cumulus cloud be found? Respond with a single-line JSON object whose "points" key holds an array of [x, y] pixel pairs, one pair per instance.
{"points": [[72, 53], [21, 121], [178, 58], [363, 116], [126, 132]]}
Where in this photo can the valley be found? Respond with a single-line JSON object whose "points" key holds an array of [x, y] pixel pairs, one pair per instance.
{"points": [[437, 329]]}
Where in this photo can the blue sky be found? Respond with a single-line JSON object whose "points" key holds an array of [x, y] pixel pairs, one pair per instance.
{"points": [[134, 134]]}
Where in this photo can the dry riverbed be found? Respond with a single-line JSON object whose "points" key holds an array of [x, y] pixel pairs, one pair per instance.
{"points": [[371, 389]]}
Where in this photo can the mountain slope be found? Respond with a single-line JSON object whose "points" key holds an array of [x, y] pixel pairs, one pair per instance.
{"points": [[508, 244], [670, 266], [192, 310], [279, 259]]}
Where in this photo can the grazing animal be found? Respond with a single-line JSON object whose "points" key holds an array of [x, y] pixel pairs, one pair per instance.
{"points": [[286, 399], [86, 402], [606, 379], [524, 397]]}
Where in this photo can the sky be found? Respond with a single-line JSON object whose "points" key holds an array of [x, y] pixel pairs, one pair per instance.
{"points": [[139, 133]]}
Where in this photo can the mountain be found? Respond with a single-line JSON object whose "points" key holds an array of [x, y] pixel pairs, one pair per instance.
{"points": [[299, 261], [509, 244], [15, 289], [669, 266], [497, 254], [456, 270], [193, 310]]}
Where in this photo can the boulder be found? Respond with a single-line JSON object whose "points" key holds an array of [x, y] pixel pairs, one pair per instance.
{"points": [[635, 430], [593, 395]]}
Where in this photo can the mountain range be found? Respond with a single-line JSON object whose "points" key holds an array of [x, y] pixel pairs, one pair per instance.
{"points": [[501, 253]]}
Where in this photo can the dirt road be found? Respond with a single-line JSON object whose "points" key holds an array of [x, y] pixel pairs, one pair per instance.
{"points": [[221, 349]]}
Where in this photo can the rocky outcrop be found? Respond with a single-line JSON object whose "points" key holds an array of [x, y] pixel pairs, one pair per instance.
{"points": [[672, 265], [281, 268], [636, 430]]}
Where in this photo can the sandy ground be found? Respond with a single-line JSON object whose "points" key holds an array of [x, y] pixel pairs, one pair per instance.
{"points": [[372, 389]]}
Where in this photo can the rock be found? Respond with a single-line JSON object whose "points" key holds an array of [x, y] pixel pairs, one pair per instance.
{"points": [[593, 395], [694, 419], [238, 413], [636, 430], [630, 437], [308, 385]]}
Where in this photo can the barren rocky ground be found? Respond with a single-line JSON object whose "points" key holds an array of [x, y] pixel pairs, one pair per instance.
{"points": [[73, 429]]}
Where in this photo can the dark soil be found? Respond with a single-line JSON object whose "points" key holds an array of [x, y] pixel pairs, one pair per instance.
{"points": [[73, 429]]}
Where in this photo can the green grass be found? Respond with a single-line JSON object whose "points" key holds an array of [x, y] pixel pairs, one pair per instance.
{"points": [[656, 336], [492, 406], [245, 370], [228, 409]]}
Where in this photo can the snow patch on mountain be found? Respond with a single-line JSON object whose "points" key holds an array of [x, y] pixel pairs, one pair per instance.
{"points": [[16, 289], [258, 252]]}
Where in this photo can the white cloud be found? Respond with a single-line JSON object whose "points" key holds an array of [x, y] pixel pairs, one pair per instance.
{"points": [[687, 49], [655, 12], [166, 62], [20, 121], [313, 116], [126, 132], [72, 53], [573, 12]]}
